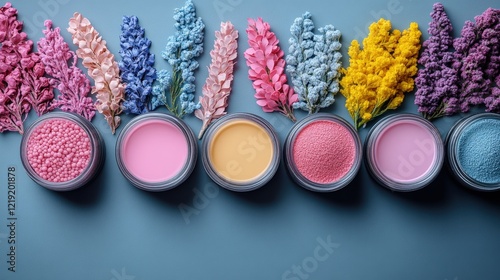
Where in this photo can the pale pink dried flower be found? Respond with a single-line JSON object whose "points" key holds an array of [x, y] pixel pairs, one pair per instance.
{"points": [[72, 83], [220, 75], [101, 66]]}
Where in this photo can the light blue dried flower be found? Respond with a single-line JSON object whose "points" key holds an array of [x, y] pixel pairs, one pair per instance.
{"points": [[137, 66], [313, 64], [176, 91]]}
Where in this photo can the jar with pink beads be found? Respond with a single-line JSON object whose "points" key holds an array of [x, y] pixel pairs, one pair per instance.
{"points": [[62, 151]]}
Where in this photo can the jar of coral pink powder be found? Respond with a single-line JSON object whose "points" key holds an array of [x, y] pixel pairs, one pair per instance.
{"points": [[62, 151], [323, 152]]}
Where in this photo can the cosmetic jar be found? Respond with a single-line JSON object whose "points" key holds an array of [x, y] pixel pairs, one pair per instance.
{"points": [[156, 151], [404, 152], [241, 152], [474, 151], [323, 152], [62, 151]]}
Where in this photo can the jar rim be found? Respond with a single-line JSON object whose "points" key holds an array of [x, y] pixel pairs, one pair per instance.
{"points": [[455, 166], [246, 185], [173, 181], [96, 151], [400, 185]]}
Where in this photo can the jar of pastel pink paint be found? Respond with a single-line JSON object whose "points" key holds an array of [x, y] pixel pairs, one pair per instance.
{"points": [[323, 152], [62, 151], [156, 151], [404, 152]]}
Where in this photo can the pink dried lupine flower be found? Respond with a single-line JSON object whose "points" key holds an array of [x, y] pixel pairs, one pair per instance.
{"points": [[72, 83], [265, 59], [220, 75], [101, 66], [37, 87], [14, 107], [22, 82]]}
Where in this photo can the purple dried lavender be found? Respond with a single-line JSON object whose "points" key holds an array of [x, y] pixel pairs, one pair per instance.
{"points": [[436, 95], [477, 61]]}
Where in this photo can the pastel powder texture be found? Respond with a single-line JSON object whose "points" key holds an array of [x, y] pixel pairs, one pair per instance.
{"points": [[324, 151], [155, 151], [478, 151], [58, 150]]}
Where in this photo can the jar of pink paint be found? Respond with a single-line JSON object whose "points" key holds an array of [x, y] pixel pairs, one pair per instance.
{"points": [[323, 152], [156, 151], [62, 151], [404, 152]]}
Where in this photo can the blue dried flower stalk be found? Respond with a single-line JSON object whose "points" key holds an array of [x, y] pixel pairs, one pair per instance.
{"points": [[176, 89], [137, 66], [314, 63]]}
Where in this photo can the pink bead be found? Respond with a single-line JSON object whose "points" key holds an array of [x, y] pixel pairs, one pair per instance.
{"points": [[58, 150]]}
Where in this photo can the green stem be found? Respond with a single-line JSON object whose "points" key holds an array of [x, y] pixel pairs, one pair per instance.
{"points": [[175, 92], [439, 112]]}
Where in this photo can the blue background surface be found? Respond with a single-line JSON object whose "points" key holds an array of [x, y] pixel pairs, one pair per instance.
{"points": [[111, 230]]}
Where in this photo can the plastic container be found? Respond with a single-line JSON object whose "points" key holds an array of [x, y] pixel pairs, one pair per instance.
{"points": [[156, 151], [62, 151], [404, 152], [241, 152], [474, 152], [323, 152]]}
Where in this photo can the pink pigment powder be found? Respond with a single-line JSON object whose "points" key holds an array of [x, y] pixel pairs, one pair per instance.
{"points": [[154, 150], [324, 151], [58, 150], [405, 151]]}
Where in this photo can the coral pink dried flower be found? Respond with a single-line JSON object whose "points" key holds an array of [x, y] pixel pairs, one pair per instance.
{"points": [[72, 83], [22, 82], [101, 66], [265, 59], [220, 75]]}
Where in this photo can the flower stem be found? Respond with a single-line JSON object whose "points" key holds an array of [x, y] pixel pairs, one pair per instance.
{"points": [[287, 111], [203, 129]]}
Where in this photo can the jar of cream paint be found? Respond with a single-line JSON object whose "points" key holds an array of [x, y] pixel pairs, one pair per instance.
{"points": [[241, 152], [156, 151], [404, 152], [474, 151], [62, 151], [323, 152]]}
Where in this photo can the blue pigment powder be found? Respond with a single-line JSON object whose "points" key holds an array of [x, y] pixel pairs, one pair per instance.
{"points": [[478, 150]]}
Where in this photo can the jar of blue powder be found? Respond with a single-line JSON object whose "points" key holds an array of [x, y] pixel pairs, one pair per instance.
{"points": [[473, 147]]}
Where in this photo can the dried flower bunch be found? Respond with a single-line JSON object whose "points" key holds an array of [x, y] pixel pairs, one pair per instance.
{"points": [[477, 61], [137, 66], [436, 82], [176, 90], [314, 63], [267, 70], [101, 66], [64, 75], [381, 72], [220, 75], [462, 72], [22, 82]]}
